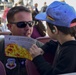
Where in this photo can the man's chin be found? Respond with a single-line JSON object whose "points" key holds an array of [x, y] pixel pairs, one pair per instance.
{"points": [[27, 35]]}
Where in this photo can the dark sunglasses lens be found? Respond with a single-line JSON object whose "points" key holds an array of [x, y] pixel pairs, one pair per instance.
{"points": [[21, 24], [24, 24], [31, 24]]}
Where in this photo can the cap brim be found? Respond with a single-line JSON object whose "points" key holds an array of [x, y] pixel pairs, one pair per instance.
{"points": [[41, 16]]}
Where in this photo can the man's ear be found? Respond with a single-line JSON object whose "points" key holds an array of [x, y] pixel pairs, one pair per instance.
{"points": [[9, 26]]}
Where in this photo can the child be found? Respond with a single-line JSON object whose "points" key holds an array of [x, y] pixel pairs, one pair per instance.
{"points": [[61, 26]]}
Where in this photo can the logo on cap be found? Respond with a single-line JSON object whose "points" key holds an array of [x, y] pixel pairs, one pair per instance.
{"points": [[50, 18]]}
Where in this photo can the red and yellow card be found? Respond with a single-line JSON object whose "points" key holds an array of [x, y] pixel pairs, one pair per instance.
{"points": [[18, 46]]}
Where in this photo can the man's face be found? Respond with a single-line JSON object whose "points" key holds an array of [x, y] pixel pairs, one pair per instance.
{"points": [[21, 17]]}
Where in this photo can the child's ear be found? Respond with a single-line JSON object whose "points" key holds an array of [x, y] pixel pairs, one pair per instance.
{"points": [[55, 30]]}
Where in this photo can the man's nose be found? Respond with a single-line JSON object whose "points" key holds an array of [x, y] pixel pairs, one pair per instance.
{"points": [[27, 26]]}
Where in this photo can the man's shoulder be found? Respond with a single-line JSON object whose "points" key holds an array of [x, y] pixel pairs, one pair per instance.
{"points": [[1, 46], [1, 38]]}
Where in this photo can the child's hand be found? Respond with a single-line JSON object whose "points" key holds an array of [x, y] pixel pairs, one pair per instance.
{"points": [[35, 51]]}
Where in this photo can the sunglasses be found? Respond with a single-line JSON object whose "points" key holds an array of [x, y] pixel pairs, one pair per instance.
{"points": [[23, 24]]}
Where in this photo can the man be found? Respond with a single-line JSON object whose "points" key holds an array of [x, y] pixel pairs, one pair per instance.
{"points": [[20, 23], [61, 26]]}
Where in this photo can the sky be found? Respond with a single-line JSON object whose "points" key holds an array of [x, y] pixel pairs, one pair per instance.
{"points": [[41, 2]]}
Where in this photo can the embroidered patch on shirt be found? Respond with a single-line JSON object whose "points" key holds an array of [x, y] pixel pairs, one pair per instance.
{"points": [[10, 63]]}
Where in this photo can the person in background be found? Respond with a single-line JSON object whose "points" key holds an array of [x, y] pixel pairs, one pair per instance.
{"points": [[35, 9], [39, 29], [4, 16], [61, 26], [20, 23], [4, 27], [19, 3], [62, 0], [43, 9]]}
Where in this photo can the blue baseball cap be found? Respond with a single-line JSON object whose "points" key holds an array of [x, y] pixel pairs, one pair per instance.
{"points": [[59, 14]]}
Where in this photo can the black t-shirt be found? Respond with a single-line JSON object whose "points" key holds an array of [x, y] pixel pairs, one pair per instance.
{"points": [[64, 63]]}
